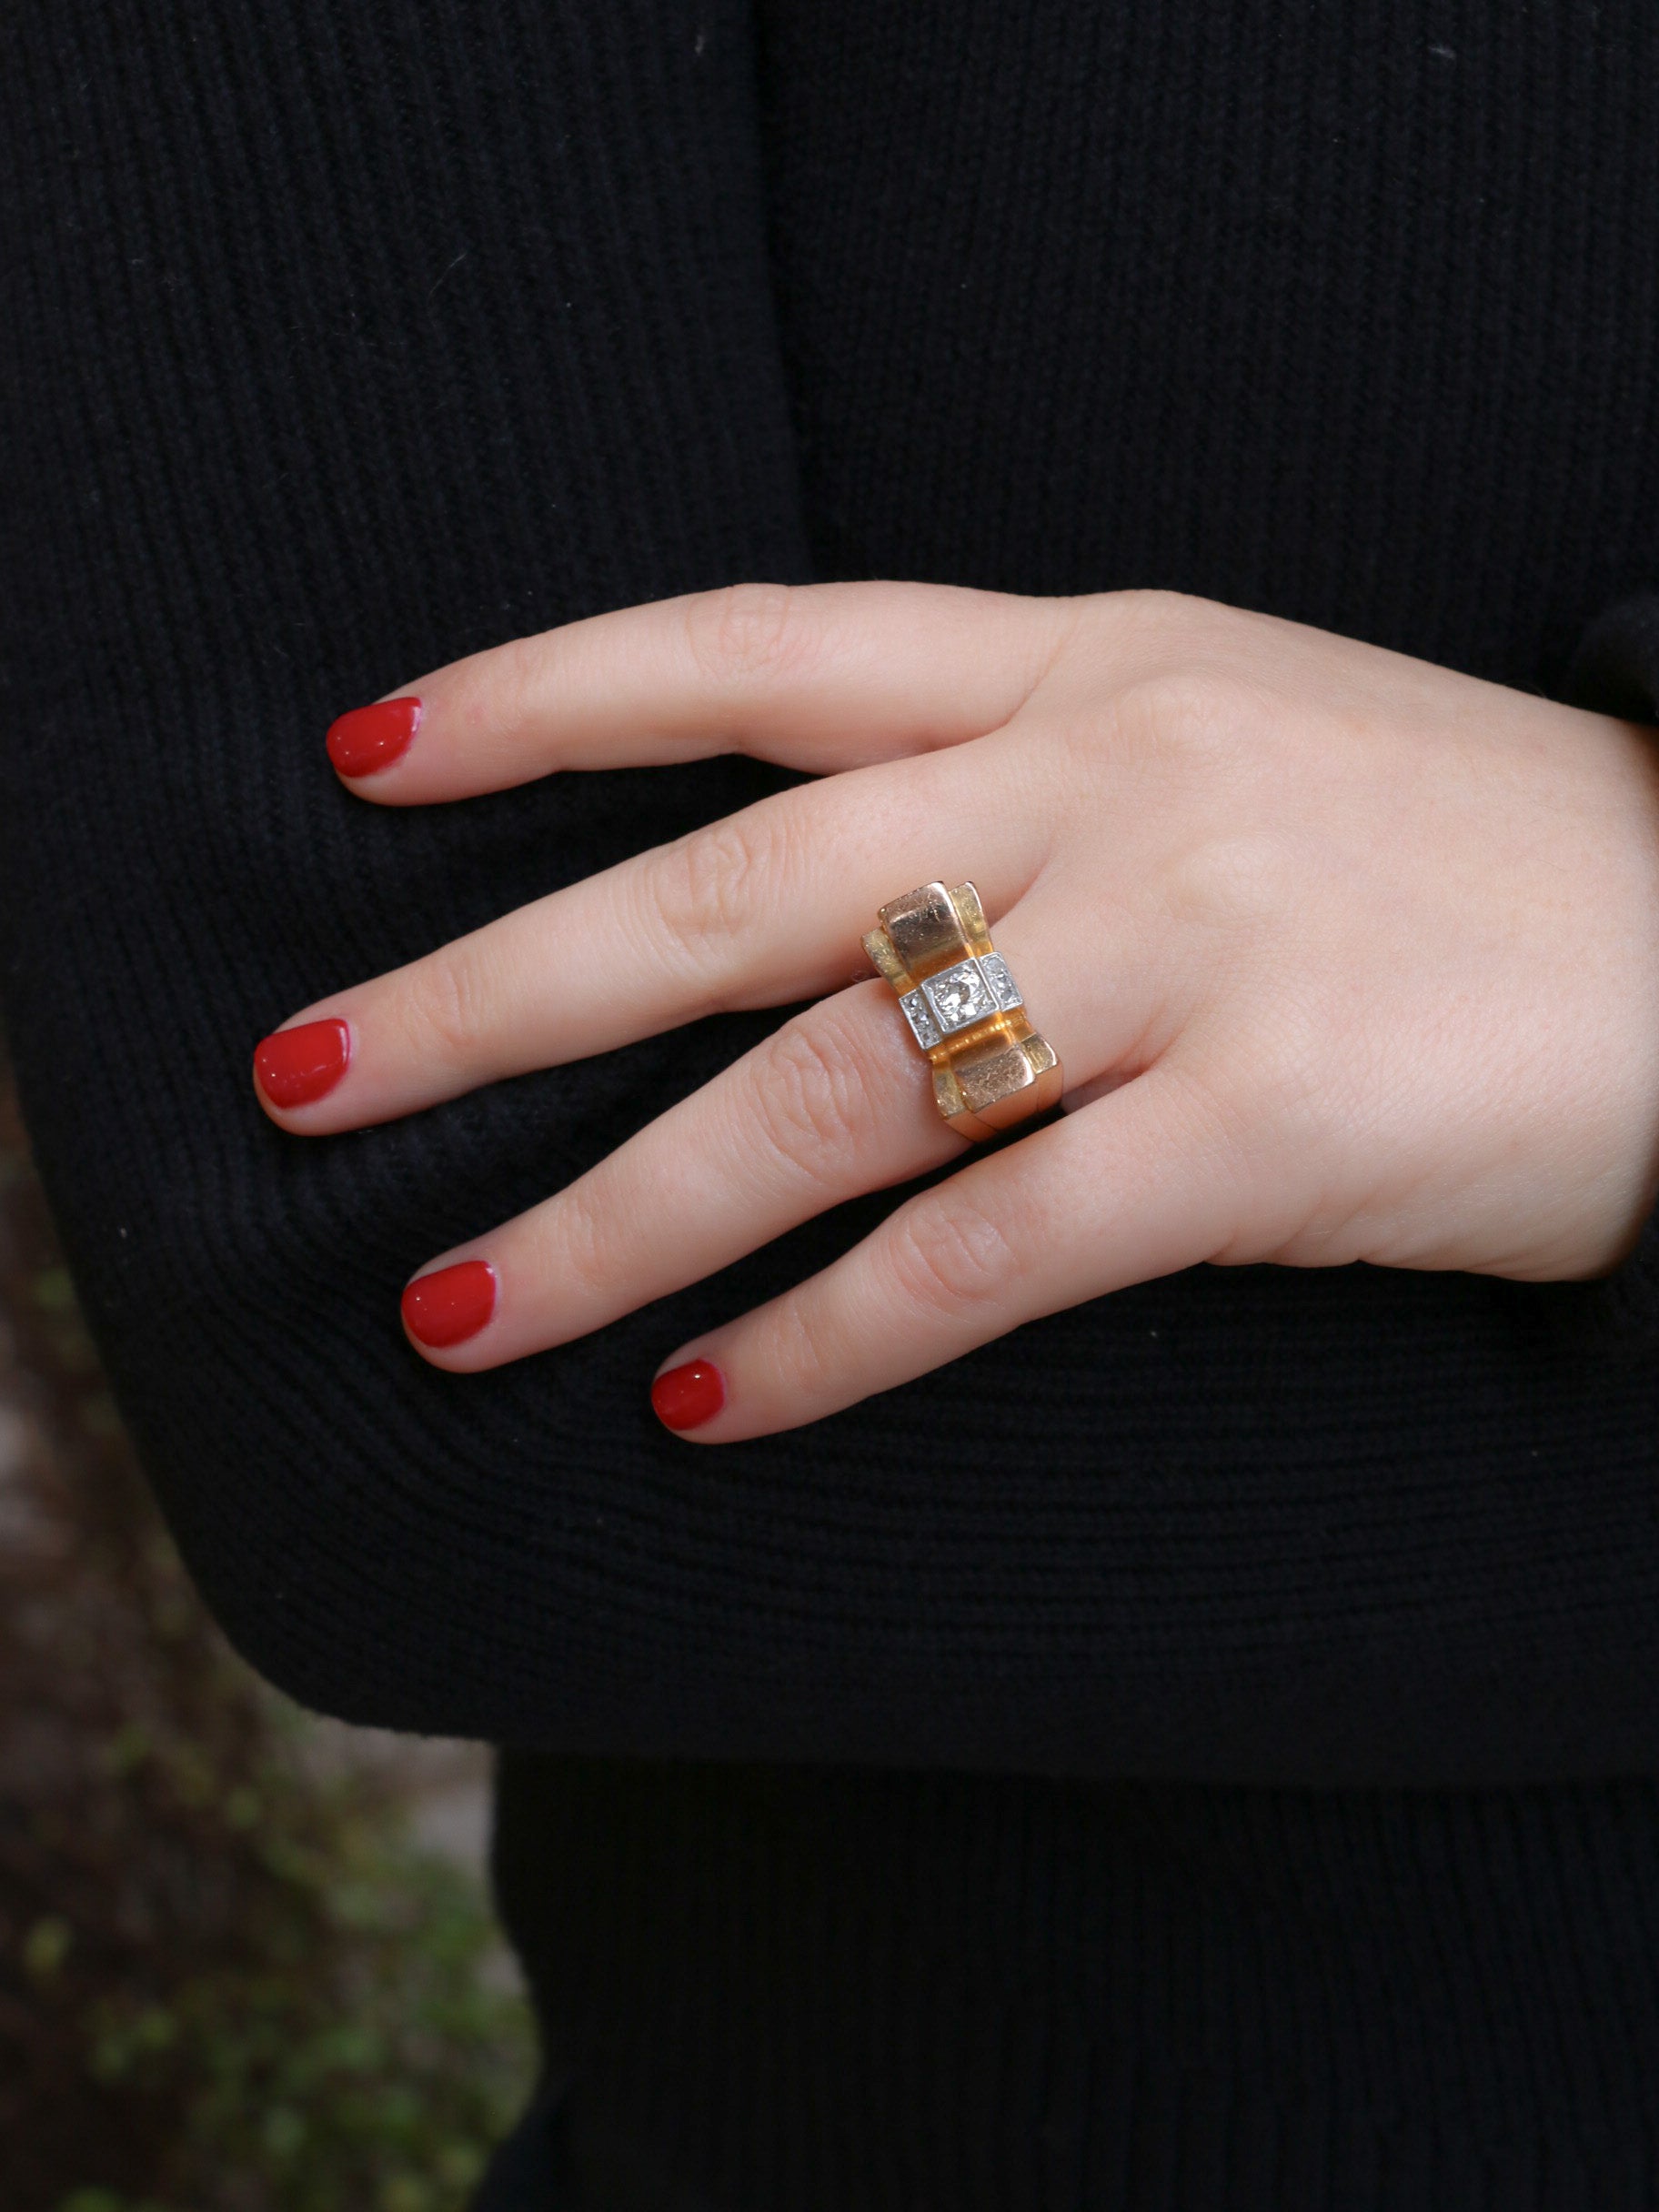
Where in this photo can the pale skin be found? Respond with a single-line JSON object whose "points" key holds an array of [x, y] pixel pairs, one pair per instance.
{"points": [[1345, 957]]}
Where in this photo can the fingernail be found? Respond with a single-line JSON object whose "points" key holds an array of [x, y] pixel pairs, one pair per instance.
{"points": [[451, 1304], [686, 1396], [372, 737], [295, 1066]]}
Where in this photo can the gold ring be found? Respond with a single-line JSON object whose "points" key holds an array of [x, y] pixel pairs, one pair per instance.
{"points": [[990, 1067]]}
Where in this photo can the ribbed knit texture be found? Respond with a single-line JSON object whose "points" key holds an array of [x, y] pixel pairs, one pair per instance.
{"points": [[343, 338], [867, 1993]]}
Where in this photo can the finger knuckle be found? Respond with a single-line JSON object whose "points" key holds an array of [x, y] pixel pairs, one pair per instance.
{"points": [[952, 1255], [812, 1090], [446, 1008], [705, 892], [742, 635], [1172, 620], [1230, 884], [512, 683], [805, 1350], [582, 1244], [1209, 723], [491, 686]]}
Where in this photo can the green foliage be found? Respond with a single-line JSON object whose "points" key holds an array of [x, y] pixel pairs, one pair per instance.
{"points": [[229, 1979]]}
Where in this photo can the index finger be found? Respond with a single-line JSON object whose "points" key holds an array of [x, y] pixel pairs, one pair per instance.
{"points": [[820, 675]]}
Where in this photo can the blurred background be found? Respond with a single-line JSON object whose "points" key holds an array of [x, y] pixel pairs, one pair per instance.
{"points": [[247, 1957]]}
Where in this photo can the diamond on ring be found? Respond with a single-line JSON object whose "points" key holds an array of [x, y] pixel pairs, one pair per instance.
{"points": [[958, 996]]}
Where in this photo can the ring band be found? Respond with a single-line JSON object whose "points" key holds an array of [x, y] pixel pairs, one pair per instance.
{"points": [[990, 1067]]}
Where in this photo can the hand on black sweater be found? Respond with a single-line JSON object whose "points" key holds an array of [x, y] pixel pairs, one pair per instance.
{"points": [[1345, 956]]}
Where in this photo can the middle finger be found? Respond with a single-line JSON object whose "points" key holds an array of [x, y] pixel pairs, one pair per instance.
{"points": [[760, 909]]}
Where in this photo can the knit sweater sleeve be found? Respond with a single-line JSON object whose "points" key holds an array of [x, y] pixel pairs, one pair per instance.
{"points": [[1615, 671], [342, 340], [346, 337]]}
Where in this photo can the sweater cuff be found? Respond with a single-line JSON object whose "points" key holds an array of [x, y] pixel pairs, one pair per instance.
{"points": [[1615, 671]]}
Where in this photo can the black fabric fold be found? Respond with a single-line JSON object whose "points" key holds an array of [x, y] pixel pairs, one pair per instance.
{"points": [[1615, 671]]}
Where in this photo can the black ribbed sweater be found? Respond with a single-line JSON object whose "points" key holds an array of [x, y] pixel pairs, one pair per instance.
{"points": [[1244, 1800]]}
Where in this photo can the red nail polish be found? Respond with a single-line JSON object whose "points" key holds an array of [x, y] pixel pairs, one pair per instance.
{"points": [[295, 1066], [451, 1304], [686, 1396], [372, 737]]}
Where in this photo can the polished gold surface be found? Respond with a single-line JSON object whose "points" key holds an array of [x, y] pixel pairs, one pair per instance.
{"points": [[971, 915], [924, 930], [880, 947], [993, 1070]]}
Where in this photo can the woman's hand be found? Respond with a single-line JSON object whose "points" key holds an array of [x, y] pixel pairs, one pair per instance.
{"points": [[1345, 958]]}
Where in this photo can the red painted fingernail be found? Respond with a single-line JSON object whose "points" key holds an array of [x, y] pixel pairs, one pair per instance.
{"points": [[686, 1396], [371, 738], [451, 1304], [295, 1066]]}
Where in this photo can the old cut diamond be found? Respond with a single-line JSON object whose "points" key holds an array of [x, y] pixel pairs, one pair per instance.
{"points": [[959, 995], [919, 1014], [1003, 988]]}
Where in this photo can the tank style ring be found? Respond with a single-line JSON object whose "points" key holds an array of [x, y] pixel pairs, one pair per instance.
{"points": [[990, 1067]]}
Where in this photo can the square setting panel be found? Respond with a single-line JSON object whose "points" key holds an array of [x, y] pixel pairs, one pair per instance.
{"points": [[959, 995], [1003, 988], [919, 1015]]}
